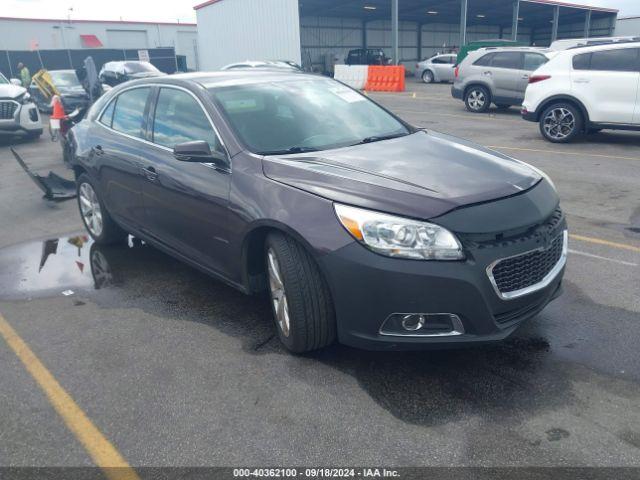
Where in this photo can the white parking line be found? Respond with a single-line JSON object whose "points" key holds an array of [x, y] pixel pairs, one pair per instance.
{"points": [[598, 257]]}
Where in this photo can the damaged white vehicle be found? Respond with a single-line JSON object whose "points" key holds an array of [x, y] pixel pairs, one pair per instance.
{"points": [[18, 113]]}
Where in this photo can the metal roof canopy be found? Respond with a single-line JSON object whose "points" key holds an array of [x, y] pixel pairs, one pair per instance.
{"points": [[534, 13]]}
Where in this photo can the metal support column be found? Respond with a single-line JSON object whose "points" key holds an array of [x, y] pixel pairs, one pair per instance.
{"points": [[556, 21], [419, 42], [464, 7], [364, 34], [395, 52], [514, 21], [587, 24]]}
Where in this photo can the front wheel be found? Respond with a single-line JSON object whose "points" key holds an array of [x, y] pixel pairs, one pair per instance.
{"points": [[94, 215], [427, 76], [300, 298], [477, 99], [561, 123]]}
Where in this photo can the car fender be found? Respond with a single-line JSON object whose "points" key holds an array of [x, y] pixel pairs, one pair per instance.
{"points": [[563, 98]]}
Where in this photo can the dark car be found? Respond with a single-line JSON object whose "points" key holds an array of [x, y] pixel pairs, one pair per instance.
{"points": [[72, 93], [367, 56], [115, 73], [358, 225]]}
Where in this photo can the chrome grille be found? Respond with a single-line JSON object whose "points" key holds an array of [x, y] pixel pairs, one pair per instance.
{"points": [[525, 273], [7, 109]]}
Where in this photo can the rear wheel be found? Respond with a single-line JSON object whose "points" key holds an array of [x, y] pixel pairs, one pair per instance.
{"points": [[94, 215], [300, 298], [561, 123], [477, 99], [427, 76]]}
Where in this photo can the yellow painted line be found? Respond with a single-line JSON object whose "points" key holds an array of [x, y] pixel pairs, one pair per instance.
{"points": [[608, 243], [103, 453], [559, 152]]}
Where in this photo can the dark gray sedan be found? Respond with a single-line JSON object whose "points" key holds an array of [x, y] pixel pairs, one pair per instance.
{"points": [[360, 227]]}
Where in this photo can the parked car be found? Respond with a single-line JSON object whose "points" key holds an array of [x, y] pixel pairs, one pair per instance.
{"points": [[358, 225], [478, 44], [367, 56], [281, 64], [439, 68], [496, 75], [115, 73], [18, 113], [72, 94], [585, 90]]}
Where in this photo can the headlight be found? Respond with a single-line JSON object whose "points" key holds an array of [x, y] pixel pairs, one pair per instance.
{"points": [[399, 237], [26, 98]]}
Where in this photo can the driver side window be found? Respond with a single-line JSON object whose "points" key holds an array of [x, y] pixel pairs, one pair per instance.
{"points": [[179, 118]]}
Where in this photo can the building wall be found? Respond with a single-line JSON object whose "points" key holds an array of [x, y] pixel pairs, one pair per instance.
{"points": [[322, 36], [238, 30], [628, 26], [600, 27], [54, 34]]}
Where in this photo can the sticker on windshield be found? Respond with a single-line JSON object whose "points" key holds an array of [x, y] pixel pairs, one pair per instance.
{"points": [[348, 95]]}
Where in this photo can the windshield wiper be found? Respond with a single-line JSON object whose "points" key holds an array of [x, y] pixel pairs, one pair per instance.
{"points": [[291, 150], [379, 138]]}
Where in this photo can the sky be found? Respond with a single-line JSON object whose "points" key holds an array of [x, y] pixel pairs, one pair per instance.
{"points": [[174, 10]]}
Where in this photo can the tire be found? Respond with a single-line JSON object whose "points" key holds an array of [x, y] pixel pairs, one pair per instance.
{"points": [[477, 99], [95, 216], [561, 123], [300, 299], [427, 76]]}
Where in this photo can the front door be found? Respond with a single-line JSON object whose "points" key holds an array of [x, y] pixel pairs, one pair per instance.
{"points": [[607, 81], [186, 202], [504, 72]]}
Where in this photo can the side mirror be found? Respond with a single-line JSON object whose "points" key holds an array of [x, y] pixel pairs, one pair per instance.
{"points": [[200, 152], [16, 82]]}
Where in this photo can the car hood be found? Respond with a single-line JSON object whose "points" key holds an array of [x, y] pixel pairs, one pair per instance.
{"points": [[422, 175], [11, 91]]}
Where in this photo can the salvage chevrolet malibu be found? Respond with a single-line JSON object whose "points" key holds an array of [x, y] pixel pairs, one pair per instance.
{"points": [[359, 226]]}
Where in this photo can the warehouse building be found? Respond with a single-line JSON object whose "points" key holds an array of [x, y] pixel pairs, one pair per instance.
{"points": [[628, 26], [313, 31], [20, 34]]}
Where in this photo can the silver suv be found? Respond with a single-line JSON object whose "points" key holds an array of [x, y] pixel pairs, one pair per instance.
{"points": [[498, 75]]}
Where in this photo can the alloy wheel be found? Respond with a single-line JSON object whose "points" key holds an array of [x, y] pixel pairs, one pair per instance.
{"points": [[90, 209], [477, 99], [559, 123], [278, 293]]}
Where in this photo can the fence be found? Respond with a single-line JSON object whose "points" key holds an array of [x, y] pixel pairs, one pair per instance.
{"points": [[163, 58]]}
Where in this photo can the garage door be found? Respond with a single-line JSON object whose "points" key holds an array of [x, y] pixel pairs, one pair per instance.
{"points": [[134, 39]]}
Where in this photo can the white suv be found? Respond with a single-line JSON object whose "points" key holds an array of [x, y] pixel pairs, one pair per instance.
{"points": [[584, 90], [18, 113]]}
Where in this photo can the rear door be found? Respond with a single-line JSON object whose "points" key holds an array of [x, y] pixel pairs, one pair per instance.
{"points": [[186, 202], [119, 152], [606, 81], [531, 62], [505, 72], [443, 68]]}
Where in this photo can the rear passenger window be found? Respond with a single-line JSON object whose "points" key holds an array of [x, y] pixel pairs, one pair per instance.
{"points": [[440, 60], [179, 118], [128, 115], [620, 60], [582, 61], [107, 115], [533, 61], [507, 60]]}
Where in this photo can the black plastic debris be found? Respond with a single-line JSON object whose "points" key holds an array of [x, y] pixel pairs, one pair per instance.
{"points": [[55, 187]]}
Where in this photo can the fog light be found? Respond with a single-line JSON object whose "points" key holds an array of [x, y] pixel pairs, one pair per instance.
{"points": [[413, 322], [422, 325]]}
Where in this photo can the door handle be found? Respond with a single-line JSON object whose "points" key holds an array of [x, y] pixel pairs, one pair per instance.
{"points": [[487, 73], [581, 80], [525, 77], [150, 173]]}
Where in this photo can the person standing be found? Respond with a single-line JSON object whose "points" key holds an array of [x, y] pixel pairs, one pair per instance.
{"points": [[25, 76]]}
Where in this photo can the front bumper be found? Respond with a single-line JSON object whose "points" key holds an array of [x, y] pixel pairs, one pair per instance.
{"points": [[25, 119], [368, 288], [70, 103]]}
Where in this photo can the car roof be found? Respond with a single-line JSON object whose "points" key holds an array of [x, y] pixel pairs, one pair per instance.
{"points": [[225, 78], [602, 46]]}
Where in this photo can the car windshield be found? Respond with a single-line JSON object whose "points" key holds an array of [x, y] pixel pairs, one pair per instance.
{"points": [[3, 79], [303, 115], [139, 67], [64, 79]]}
